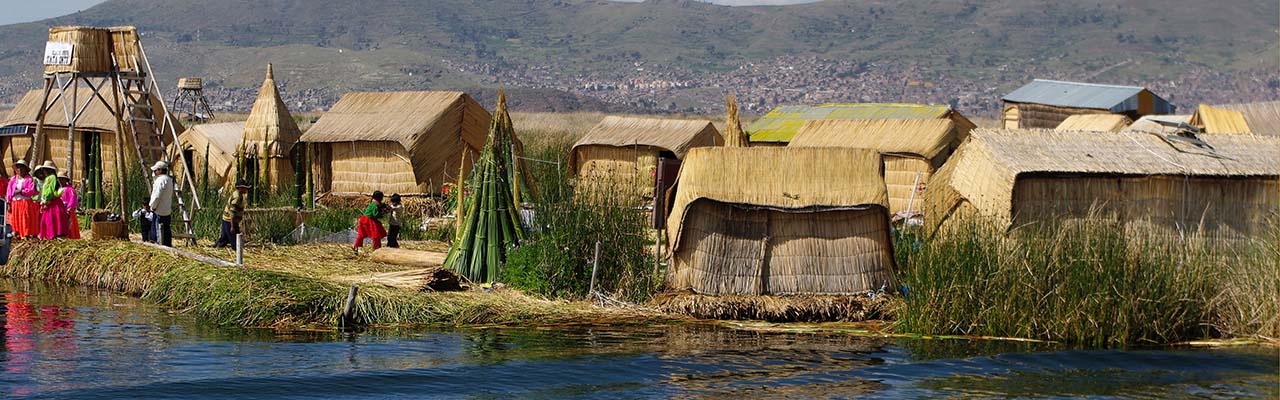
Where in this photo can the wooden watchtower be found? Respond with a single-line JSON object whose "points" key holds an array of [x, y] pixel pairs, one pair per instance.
{"points": [[191, 92]]}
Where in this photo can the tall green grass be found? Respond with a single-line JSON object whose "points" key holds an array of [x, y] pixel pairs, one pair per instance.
{"points": [[556, 260], [1092, 283]]}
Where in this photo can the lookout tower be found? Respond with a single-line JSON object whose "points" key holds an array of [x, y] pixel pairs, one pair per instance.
{"points": [[119, 104], [191, 91]]}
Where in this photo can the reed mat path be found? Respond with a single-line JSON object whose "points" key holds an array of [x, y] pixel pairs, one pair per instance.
{"points": [[290, 288]]}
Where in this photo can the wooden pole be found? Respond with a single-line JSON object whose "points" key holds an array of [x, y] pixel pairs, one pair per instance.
{"points": [[71, 127], [595, 263], [349, 306], [34, 153], [119, 139]]}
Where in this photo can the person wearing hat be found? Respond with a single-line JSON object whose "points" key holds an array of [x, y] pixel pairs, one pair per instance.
{"points": [[53, 212], [24, 213], [161, 203], [71, 201], [42, 173], [232, 214]]}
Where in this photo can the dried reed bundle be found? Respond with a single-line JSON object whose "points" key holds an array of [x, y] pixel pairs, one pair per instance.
{"points": [[776, 308]]}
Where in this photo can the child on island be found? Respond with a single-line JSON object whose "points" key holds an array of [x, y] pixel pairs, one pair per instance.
{"points": [[369, 225], [393, 221]]}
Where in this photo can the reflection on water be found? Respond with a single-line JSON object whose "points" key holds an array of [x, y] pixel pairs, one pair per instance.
{"points": [[70, 342]]}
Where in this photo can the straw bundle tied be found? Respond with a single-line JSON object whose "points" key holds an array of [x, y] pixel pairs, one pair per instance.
{"points": [[1021, 174], [492, 220], [750, 221], [734, 136]]}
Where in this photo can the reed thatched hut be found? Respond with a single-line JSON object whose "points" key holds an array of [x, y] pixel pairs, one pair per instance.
{"points": [[912, 149], [780, 221], [1226, 183], [622, 153], [270, 136], [214, 145], [778, 126], [1095, 123], [397, 142], [1046, 103], [95, 135]]}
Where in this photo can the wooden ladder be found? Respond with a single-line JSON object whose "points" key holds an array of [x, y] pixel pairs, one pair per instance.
{"points": [[150, 127]]}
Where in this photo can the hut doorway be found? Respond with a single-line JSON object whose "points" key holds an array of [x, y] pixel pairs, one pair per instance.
{"points": [[91, 159]]}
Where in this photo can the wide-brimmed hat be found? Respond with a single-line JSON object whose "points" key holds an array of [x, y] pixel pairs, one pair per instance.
{"points": [[160, 165], [21, 163], [64, 175], [241, 183], [47, 165]]}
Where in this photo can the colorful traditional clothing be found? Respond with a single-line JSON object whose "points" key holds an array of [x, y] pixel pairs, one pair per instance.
{"points": [[370, 227], [72, 202], [24, 213], [53, 213]]}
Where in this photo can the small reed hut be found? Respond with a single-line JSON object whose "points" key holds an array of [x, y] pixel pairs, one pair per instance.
{"points": [[911, 149], [1212, 119], [397, 142], [780, 221], [1225, 183], [622, 153], [1045, 103], [270, 135], [1095, 123], [215, 146], [778, 126]]}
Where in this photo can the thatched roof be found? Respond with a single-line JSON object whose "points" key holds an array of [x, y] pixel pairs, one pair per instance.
{"points": [[925, 138], [221, 139], [783, 122], [402, 117], [674, 135], [1095, 122], [97, 117], [783, 178], [1262, 117], [433, 127], [1219, 120], [1023, 151], [270, 125]]}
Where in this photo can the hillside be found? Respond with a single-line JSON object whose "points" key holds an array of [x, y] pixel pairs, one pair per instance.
{"points": [[679, 56]]}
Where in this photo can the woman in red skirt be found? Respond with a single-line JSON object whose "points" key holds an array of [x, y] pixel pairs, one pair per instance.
{"points": [[369, 226], [24, 213]]}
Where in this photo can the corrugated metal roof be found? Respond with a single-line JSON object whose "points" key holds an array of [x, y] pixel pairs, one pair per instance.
{"points": [[1084, 95], [783, 122]]}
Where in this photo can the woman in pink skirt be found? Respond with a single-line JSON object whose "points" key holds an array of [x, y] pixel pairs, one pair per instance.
{"points": [[53, 212]]}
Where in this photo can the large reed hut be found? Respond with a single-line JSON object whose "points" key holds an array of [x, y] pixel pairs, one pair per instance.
{"points": [[1095, 123], [1262, 117], [1045, 103], [396, 142], [214, 145], [95, 135], [780, 221], [622, 153], [912, 149], [778, 126], [1017, 177], [269, 136]]}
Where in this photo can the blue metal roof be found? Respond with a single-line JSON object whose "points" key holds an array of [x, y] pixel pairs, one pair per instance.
{"points": [[1085, 95]]}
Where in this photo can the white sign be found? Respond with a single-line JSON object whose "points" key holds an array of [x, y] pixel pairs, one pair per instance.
{"points": [[57, 53]]}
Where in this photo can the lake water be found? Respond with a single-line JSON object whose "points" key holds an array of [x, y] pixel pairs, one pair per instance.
{"points": [[63, 342]]}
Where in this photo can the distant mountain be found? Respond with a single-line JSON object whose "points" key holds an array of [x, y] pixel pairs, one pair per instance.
{"points": [[667, 55]]}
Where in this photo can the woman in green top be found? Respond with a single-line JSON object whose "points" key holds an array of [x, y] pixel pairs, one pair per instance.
{"points": [[369, 225]]}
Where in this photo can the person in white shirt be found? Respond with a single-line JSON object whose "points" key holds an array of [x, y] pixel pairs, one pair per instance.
{"points": [[161, 203]]}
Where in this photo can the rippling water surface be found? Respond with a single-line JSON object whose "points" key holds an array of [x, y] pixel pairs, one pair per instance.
{"points": [[80, 343]]}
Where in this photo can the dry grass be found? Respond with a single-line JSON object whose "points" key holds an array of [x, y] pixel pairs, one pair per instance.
{"points": [[776, 308]]}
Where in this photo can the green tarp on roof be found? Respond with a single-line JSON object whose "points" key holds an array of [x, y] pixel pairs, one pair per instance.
{"points": [[783, 122]]}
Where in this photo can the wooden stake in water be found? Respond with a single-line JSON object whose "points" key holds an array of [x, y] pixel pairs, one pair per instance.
{"points": [[349, 307], [595, 263]]}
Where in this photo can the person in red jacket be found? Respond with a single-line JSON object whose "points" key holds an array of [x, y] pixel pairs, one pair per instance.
{"points": [[369, 225]]}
